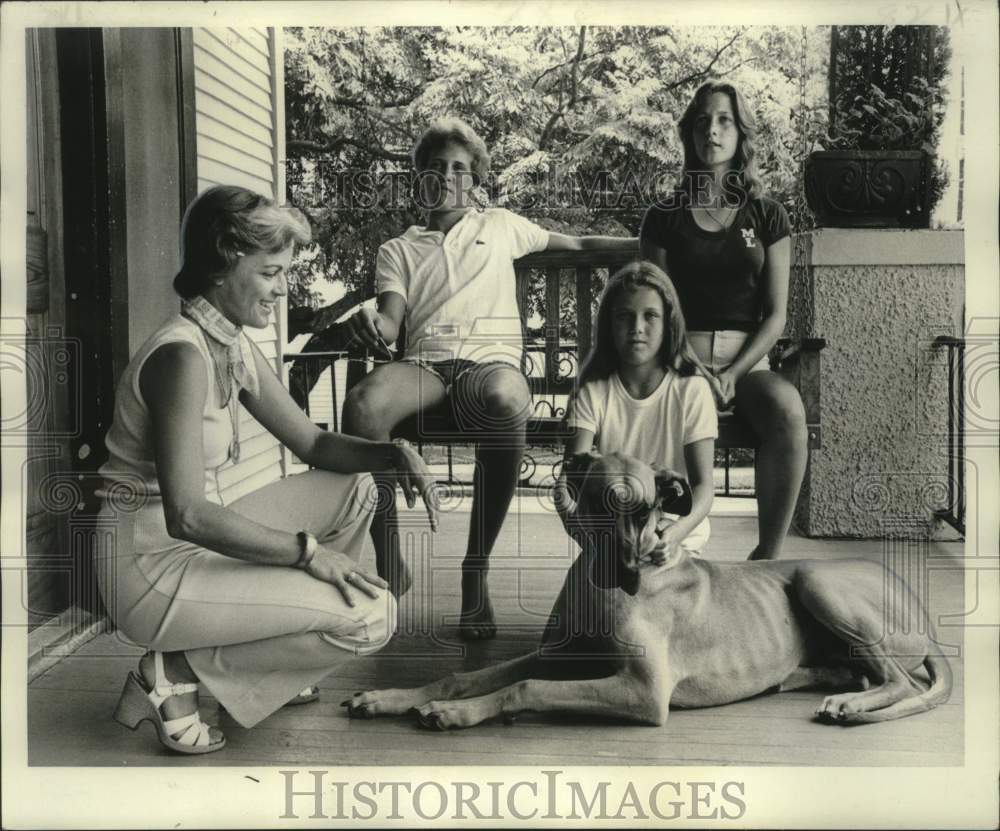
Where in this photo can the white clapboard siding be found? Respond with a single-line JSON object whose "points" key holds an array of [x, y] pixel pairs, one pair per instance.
{"points": [[236, 53], [235, 138], [222, 114], [231, 75], [249, 426], [234, 481], [236, 94], [220, 153], [322, 403], [234, 101]]}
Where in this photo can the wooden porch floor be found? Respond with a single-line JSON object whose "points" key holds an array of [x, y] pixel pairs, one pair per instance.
{"points": [[69, 706]]}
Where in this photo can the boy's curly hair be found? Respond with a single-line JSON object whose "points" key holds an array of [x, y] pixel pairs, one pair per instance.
{"points": [[452, 130]]}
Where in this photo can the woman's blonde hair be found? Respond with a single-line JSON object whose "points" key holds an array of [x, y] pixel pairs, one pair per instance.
{"points": [[225, 222], [675, 351], [745, 167]]}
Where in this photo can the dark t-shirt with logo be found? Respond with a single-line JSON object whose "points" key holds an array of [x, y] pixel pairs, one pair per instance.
{"points": [[716, 273]]}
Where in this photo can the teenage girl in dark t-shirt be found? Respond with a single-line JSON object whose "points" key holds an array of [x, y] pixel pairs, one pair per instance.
{"points": [[726, 248]]}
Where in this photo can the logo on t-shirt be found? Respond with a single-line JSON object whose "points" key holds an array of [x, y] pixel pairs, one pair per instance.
{"points": [[748, 237]]}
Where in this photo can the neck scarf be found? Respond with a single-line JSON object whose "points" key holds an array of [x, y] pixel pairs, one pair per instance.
{"points": [[234, 365]]}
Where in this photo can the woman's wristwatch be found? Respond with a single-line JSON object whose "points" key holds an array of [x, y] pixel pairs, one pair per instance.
{"points": [[307, 549]]}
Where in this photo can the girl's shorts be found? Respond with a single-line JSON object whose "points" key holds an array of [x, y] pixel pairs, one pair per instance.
{"points": [[717, 350]]}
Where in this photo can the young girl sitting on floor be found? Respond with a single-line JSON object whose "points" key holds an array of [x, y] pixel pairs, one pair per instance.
{"points": [[640, 393]]}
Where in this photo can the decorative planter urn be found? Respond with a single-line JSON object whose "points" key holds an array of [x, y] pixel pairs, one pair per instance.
{"points": [[868, 188]]}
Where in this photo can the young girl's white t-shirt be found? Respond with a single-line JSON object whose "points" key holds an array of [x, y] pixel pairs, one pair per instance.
{"points": [[654, 429]]}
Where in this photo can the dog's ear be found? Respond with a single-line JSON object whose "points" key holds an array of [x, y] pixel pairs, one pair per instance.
{"points": [[673, 492]]}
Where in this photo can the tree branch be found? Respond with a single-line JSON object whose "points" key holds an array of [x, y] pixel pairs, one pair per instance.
{"points": [[551, 69], [305, 146], [733, 68], [703, 73], [381, 105], [575, 71], [554, 119]]}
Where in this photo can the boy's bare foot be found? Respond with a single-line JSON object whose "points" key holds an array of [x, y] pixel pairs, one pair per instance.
{"points": [[759, 554], [476, 622], [395, 571]]}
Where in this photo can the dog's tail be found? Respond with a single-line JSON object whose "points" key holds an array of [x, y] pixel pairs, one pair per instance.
{"points": [[939, 691]]}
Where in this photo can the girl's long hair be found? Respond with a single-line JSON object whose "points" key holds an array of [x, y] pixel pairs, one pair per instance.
{"points": [[675, 351], [745, 167]]}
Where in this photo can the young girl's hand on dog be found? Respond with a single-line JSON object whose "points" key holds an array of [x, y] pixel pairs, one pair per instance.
{"points": [[669, 540]]}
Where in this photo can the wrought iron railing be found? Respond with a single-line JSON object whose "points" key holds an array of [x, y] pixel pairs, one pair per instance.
{"points": [[557, 294], [325, 374]]}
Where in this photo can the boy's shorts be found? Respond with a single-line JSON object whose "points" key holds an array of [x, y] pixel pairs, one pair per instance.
{"points": [[466, 416], [449, 371], [717, 350]]}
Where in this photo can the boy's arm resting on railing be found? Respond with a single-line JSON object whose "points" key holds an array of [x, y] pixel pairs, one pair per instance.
{"points": [[567, 242]]}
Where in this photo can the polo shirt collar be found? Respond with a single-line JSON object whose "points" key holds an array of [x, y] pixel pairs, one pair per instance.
{"points": [[416, 233]]}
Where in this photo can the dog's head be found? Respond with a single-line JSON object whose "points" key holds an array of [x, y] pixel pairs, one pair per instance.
{"points": [[618, 499]]}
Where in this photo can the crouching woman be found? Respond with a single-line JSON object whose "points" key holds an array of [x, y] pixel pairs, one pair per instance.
{"points": [[257, 599]]}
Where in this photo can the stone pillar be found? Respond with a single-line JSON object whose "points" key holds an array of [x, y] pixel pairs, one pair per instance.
{"points": [[879, 298]]}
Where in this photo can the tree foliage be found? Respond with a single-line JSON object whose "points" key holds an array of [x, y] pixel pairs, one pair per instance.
{"points": [[581, 122]]}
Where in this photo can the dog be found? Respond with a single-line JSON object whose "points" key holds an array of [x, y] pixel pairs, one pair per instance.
{"points": [[630, 639]]}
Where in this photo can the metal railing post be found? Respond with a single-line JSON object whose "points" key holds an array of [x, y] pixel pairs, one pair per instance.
{"points": [[954, 514]]}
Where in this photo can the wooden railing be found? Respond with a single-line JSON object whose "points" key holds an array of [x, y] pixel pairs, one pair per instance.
{"points": [[556, 268]]}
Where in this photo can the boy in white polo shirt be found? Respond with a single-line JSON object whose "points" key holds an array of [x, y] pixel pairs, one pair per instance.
{"points": [[453, 283]]}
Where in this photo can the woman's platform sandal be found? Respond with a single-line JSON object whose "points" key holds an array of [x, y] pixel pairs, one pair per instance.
{"points": [[186, 734]]}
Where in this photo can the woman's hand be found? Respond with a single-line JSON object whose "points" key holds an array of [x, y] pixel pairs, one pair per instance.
{"points": [[415, 479], [365, 326], [340, 571], [724, 389]]}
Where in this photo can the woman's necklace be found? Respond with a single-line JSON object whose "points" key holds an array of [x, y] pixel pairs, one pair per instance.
{"points": [[230, 400], [232, 371], [723, 224]]}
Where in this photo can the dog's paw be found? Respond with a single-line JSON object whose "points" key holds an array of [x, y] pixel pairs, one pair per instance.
{"points": [[838, 709], [379, 703], [445, 715], [437, 715]]}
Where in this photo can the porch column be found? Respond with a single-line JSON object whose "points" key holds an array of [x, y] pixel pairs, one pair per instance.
{"points": [[879, 297]]}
